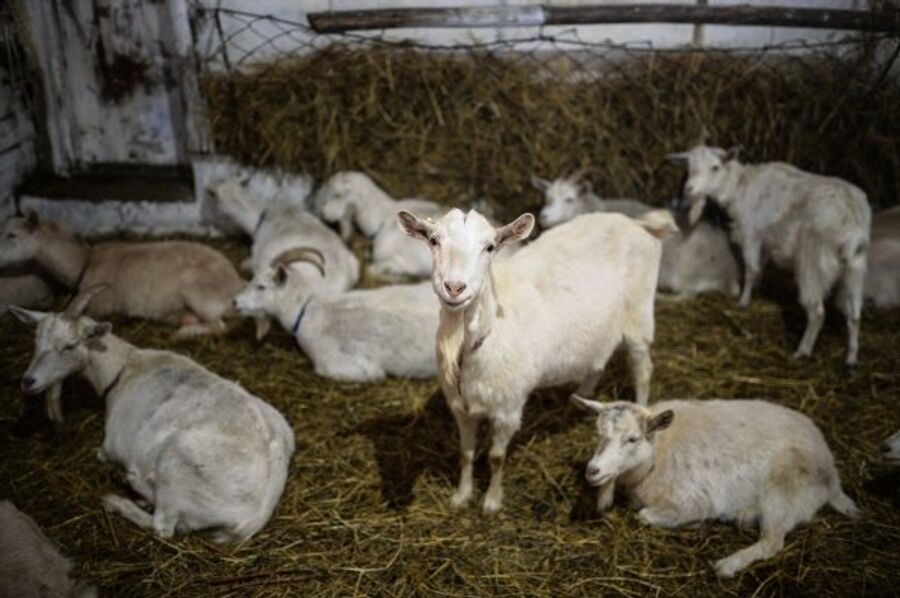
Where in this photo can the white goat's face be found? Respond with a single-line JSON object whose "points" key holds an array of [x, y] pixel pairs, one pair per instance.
{"points": [[562, 202], [336, 196], [61, 346], [707, 170], [262, 294], [462, 246], [625, 439], [890, 449], [18, 242]]}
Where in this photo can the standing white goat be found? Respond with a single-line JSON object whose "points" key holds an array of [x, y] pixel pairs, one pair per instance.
{"points": [[814, 225], [551, 314], [30, 565], [882, 286], [696, 260], [282, 226], [359, 336], [169, 281], [349, 198], [890, 449], [682, 462], [203, 451]]}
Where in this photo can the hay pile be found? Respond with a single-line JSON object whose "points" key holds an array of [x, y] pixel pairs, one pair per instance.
{"points": [[366, 509], [466, 125]]}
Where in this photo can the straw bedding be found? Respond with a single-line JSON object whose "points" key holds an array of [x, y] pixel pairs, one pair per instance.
{"points": [[366, 509]]}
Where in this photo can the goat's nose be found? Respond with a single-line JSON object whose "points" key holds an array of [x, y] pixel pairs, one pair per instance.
{"points": [[234, 302], [28, 383], [454, 288], [593, 471], [689, 189], [885, 447]]}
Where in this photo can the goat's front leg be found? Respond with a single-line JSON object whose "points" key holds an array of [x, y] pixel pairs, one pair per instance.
{"points": [[467, 426], [752, 253], [502, 433]]}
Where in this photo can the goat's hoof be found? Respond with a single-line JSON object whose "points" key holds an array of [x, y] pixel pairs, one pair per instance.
{"points": [[726, 568], [491, 505], [801, 354], [101, 455], [460, 500]]}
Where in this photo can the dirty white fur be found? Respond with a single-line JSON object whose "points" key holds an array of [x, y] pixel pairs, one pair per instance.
{"points": [[890, 449], [349, 198], [551, 314], [23, 289], [261, 186], [30, 565], [882, 286], [751, 462], [205, 453], [357, 336], [697, 259], [813, 225], [170, 281]]}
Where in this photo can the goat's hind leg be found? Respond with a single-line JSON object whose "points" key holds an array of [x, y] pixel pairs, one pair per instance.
{"points": [[641, 367], [129, 510], [850, 301]]}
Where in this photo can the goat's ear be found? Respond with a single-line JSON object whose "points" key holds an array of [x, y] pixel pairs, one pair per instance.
{"points": [[414, 226], [660, 421], [281, 275], [97, 330], [539, 183], [677, 157], [516, 230], [592, 406], [31, 220], [732, 153], [26, 315]]}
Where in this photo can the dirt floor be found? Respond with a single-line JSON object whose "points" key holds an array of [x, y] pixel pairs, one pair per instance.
{"points": [[366, 510]]}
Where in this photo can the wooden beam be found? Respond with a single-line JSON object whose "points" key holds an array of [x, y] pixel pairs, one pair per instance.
{"points": [[887, 21]]}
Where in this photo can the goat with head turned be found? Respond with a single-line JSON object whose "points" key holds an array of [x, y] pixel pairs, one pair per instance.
{"points": [[203, 451], [349, 198], [169, 281], [697, 259], [882, 286], [551, 314], [357, 336], [683, 462], [282, 226], [816, 226]]}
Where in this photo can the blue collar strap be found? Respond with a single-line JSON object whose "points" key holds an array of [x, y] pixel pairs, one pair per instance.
{"points": [[296, 325]]}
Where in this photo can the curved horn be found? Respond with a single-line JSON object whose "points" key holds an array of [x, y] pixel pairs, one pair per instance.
{"points": [[703, 137], [578, 174], [301, 254], [77, 306]]}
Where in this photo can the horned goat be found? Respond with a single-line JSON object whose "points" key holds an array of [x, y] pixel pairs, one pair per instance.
{"points": [[203, 451], [358, 336], [169, 281], [814, 225], [683, 462], [551, 314]]}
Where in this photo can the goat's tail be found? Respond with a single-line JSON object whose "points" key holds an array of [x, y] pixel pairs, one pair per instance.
{"points": [[659, 223]]}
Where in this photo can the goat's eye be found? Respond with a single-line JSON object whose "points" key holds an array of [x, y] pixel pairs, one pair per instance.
{"points": [[715, 168], [260, 287], [570, 200], [490, 247], [433, 241], [70, 347], [10, 235], [632, 439]]}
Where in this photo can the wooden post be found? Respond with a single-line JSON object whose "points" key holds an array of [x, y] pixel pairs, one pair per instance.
{"points": [[887, 21]]}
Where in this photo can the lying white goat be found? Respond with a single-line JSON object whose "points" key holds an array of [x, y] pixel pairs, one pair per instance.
{"points": [[551, 314], [169, 281], [359, 336], [682, 462], [349, 198], [882, 286], [30, 565], [203, 451], [697, 259], [816, 226], [18, 287], [282, 226]]}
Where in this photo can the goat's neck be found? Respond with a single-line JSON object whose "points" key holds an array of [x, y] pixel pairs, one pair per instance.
{"points": [[635, 476], [371, 215], [106, 364], [63, 257], [731, 187], [478, 320], [290, 305], [593, 203]]}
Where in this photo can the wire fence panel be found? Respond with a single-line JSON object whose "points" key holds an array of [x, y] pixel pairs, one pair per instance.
{"points": [[470, 120]]}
